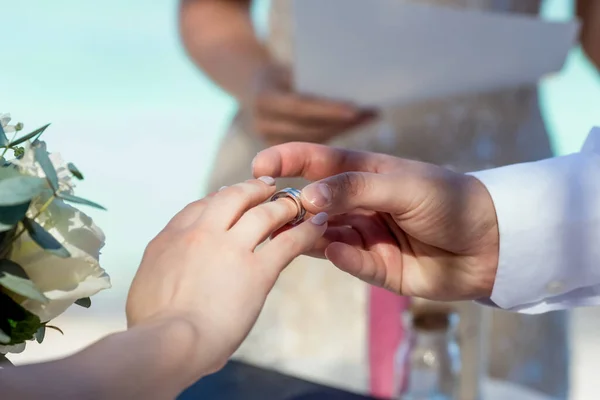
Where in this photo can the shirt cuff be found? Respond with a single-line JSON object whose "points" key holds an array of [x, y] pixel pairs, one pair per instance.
{"points": [[549, 223]]}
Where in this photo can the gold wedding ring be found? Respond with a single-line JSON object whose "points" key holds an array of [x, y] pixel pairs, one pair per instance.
{"points": [[294, 195]]}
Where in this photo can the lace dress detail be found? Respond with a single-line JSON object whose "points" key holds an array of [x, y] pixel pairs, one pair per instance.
{"points": [[314, 322]]}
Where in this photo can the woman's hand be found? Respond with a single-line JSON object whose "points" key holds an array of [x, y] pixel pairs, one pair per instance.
{"points": [[205, 266], [219, 36], [198, 291], [279, 115]]}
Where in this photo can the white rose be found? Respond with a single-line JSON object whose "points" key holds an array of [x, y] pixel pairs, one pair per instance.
{"points": [[62, 280]]}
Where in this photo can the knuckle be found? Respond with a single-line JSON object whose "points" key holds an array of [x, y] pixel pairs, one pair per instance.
{"points": [[153, 247], [351, 183], [195, 206], [194, 237], [245, 192], [290, 242], [237, 190], [263, 214]]}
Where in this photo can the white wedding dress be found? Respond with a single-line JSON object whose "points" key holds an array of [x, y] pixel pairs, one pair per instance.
{"points": [[314, 322]]}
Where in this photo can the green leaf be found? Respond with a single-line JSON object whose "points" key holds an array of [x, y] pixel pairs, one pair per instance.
{"points": [[24, 329], [10, 215], [18, 189], [44, 239], [38, 132], [75, 171], [39, 335], [3, 138], [14, 278], [4, 338], [18, 323], [79, 200], [41, 156], [85, 302]]}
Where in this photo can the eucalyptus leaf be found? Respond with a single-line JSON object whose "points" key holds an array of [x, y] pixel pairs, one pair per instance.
{"points": [[44, 239], [40, 334], [38, 132], [17, 189], [85, 302], [3, 138], [14, 278], [79, 200], [75, 171], [4, 338], [41, 156], [10, 215]]}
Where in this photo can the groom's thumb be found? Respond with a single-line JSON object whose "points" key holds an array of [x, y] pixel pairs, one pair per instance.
{"points": [[350, 190]]}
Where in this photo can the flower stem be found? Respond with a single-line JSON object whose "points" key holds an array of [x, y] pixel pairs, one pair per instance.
{"points": [[8, 144], [41, 210]]}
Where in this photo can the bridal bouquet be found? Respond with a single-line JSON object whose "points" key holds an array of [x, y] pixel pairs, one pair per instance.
{"points": [[49, 249]]}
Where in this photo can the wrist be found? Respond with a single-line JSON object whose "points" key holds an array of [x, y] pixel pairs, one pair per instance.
{"points": [[258, 66], [156, 358], [487, 248], [184, 342]]}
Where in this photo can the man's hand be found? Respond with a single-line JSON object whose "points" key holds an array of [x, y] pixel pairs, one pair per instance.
{"points": [[413, 228], [279, 115]]}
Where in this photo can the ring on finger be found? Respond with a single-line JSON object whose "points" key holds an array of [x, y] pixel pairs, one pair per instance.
{"points": [[294, 196]]}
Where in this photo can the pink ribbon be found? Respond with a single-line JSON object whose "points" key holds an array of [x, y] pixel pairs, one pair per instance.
{"points": [[385, 334]]}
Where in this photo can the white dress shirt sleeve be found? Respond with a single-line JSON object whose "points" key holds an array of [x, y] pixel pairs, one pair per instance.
{"points": [[549, 222]]}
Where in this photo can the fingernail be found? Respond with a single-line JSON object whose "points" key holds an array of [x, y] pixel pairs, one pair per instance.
{"points": [[318, 195], [267, 179], [222, 187], [320, 218]]}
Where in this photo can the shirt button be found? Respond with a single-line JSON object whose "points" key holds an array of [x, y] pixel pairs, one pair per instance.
{"points": [[555, 287]]}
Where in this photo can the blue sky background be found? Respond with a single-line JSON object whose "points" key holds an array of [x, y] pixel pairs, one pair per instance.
{"points": [[143, 124]]}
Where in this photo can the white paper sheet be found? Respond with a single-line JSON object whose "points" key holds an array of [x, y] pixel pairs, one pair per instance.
{"points": [[384, 52]]}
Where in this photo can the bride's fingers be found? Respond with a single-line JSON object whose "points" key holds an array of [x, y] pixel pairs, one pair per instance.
{"points": [[366, 265], [255, 226], [279, 252], [230, 203], [189, 214]]}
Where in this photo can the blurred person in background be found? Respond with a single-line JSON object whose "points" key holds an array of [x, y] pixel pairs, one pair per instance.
{"points": [[312, 324]]}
